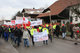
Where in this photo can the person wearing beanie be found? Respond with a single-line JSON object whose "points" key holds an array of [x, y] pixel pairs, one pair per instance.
{"points": [[63, 31]]}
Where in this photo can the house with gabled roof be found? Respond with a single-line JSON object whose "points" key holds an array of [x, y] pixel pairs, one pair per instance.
{"points": [[62, 11], [32, 13]]}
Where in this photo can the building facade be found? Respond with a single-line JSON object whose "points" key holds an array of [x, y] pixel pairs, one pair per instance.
{"points": [[75, 14], [62, 11]]}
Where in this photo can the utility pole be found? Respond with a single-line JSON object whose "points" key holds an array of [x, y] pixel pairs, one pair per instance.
{"points": [[50, 18], [50, 23]]}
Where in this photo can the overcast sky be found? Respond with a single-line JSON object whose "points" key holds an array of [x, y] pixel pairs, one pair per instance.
{"points": [[9, 8]]}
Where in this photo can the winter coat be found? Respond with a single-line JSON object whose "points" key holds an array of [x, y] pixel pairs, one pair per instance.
{"points": [[18, 33], [6, 33], [63, 29], [26, 35], [1, 30], [71, 28], [57, 29]]}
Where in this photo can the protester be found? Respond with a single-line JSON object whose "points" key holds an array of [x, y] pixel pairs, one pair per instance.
{"points": [[45, 29], [63, 31], [1, 31], [50, 34], [26, 37], [18, 35], [12, 34], [71, 30], [57, 31], [47, 26], [6, 34], [9, 31], [32, 33], [40, 28], [76, 31], [54, 28]]}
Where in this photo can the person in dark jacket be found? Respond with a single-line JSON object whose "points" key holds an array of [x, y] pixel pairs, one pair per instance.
{"points": [[71, 30], [6, 34], [57, 31], [50, 34], [18, 35], [12, 34], [21, 34], [1, 31], [63, 31]]}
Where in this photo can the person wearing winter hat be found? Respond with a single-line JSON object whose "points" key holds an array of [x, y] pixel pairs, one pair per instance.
{"points": [[63, 31]]}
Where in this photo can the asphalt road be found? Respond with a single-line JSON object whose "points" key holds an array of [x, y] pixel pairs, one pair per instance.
{"points": [[58, 46], [6, 47]]}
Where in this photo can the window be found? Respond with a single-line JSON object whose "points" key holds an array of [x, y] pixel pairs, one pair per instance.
{"points": [[76, 19], [71, 19], [63, 22]]}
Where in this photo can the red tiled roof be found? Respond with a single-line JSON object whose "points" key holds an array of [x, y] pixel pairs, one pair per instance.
{"points": [[59, 6], [43, 14]]}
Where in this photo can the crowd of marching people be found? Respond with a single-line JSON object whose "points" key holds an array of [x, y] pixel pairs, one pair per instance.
{"points": [[17, 34]]}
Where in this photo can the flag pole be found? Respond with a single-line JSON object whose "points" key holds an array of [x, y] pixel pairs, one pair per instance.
{"points": [[23, 17]]}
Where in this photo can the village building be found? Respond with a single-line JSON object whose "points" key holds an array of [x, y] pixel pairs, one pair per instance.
{"points": [[29, 13], [33, 13], [3, 21], [63, 11]]}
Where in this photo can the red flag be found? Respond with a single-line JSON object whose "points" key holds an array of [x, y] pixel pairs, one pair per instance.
{"points": [[24, 18], [37, 29], [23, 25], [29, 22], [32, 26]]}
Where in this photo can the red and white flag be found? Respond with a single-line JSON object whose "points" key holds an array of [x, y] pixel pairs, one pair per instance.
{"points": [[13, 21], [23, 18]]}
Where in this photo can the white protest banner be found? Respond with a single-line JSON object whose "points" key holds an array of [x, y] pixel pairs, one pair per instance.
{"points": [[26, 20], [9, 23], [19, 18], [22, 18], [36, 23], [28, 17], [5, 22], [40, 36], [21, 21], [18, 21]]}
